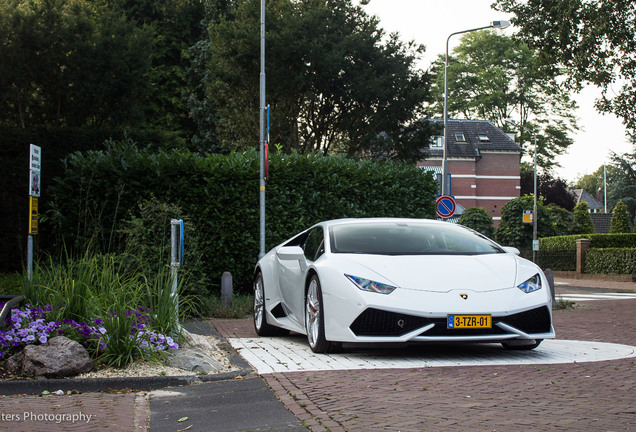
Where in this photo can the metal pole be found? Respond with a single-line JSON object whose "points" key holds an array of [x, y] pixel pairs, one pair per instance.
{"points": [[30, 257], [535, 216], [604, 189], [444, 148], [262, 135]]}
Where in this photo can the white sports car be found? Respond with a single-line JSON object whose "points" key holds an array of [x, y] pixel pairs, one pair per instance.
{"points": [[400, 280]]}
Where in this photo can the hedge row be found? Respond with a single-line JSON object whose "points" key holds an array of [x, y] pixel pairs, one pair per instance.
{"points": [[220, 195], [611, 261], [56, 144], [559, 252]]}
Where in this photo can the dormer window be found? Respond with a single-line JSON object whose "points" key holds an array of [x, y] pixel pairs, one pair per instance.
{"points": [[483, 138], [437, 141], [459, 137]]}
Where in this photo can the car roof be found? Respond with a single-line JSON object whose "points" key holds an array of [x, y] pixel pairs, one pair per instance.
{"points": [[334, 222]]}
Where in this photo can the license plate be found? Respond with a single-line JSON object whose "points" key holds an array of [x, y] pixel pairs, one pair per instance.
{"points": [[469, 321]]}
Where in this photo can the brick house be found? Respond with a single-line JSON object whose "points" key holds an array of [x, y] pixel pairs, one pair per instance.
{"points": [[483, 162]]}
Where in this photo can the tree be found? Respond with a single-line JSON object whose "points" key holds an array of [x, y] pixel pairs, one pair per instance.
{"points": [[494, 77], [622, 181], [553, 190], [71, 64], [620, 219], [513, 232], [477, 218], [562, 219], [591, 41], [582, 220], [335, 84]]}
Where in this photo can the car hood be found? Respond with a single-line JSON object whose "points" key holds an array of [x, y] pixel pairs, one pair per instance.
{"points": [[442, 273]]}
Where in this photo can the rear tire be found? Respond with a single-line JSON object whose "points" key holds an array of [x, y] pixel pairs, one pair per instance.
{"points": [[260, 312]]}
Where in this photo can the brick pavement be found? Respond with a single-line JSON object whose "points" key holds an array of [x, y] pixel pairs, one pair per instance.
{"points": [[108, 412], [597, 396]]}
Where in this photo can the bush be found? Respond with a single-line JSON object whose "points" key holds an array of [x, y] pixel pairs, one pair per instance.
{"points": [[513, 232], [611, 260], [582, 220], [220, 195], [477, 218], [620, 219], [559, 252]]}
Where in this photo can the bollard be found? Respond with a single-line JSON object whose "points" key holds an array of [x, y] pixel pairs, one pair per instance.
{"points": [[226, 289]]}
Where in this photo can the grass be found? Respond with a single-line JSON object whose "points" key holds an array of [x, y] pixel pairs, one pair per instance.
{"points": [[242, 306], [11, 283]]}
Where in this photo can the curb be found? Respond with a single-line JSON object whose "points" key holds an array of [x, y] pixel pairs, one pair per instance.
{"points": [[37, 386]]}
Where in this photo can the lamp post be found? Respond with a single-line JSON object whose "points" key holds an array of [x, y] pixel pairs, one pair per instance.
{"points": [[262, 137], [494, 24], [535, 216]]}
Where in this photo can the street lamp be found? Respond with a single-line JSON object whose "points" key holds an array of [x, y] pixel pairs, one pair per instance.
{"points": [[535, 216], [494, 24]]}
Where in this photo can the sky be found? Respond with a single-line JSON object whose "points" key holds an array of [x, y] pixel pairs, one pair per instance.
{"points": [[429, 22]]}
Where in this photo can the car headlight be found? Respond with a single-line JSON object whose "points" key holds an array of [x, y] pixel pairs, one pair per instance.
{"points": [[371, 286], [531, 285]]}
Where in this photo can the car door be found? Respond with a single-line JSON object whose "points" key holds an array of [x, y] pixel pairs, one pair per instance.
{"points": [[293, 273]]}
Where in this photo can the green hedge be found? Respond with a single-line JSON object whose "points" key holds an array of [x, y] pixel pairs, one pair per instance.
{"points": [[559, 252], [56, 144], [220, 195], [610, 261]]}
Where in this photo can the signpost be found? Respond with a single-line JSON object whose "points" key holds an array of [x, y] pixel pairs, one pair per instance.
{"points": [[445, 206], [35, 165], [527, 216]]}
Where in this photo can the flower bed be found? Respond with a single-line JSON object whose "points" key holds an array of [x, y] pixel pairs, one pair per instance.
{"points": [[115, 340]]}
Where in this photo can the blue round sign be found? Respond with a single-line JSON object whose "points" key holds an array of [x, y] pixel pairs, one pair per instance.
{"points": [[446, 206]]}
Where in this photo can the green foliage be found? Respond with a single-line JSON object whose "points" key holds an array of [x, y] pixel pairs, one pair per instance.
{"points": [[242, 306], [611, 260], [513, 232], [559, 252], [582, 220], [586, 40], [496, 77], [620, 219], [219, 194], [84, 288], [10, 284], [562, 219], [622, 180], [477, 218], [336, 83]]}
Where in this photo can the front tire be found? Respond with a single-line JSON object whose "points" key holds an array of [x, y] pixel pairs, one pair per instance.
{"points": [[315, 319], [260, 313]]}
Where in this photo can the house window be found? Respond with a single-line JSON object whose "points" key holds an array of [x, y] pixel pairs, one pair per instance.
{"points": [[483, 138], [459, 137], [437, 141]]}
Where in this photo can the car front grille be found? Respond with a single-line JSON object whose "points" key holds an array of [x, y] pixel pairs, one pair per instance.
{"points": [[376, 322]]}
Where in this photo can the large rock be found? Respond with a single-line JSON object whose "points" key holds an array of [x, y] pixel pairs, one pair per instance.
{"points": [[59, 357]]}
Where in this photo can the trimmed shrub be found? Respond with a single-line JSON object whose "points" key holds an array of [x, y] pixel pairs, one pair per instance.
{"points": [[220, 195], [620, 219], [477, 218], [610, 261], [582, 220], [559, 252]]}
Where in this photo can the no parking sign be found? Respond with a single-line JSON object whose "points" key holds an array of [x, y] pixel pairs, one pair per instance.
{"points": [[446, 206]]}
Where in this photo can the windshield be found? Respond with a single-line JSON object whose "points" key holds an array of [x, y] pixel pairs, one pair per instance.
{"points": [[397, 238]]}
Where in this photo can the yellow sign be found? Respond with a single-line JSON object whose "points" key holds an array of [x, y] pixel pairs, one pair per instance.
{"points": [[527, 216], [33, 215]]}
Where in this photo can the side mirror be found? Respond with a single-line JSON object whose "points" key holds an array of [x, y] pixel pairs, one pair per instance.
{"points": [[512, 250], [290, 253]]}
